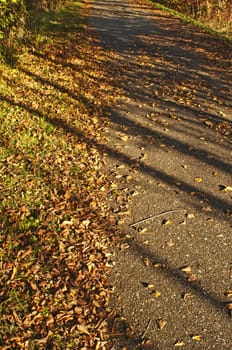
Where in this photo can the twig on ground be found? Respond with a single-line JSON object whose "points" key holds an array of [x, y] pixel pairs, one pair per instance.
{"points": [[155, 216], [146, 329]]}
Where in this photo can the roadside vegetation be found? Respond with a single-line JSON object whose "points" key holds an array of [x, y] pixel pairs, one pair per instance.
{"points": [[217, 14], [17, 18], [54, 225]]}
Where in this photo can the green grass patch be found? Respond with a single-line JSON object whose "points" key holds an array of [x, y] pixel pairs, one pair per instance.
{"points": [[46, 26], [65, 19]]}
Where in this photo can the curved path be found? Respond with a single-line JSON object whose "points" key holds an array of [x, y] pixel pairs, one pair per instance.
{"points": [[169, 149]]}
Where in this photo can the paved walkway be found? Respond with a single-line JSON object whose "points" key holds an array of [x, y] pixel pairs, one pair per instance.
{"points": [[169, 149]]}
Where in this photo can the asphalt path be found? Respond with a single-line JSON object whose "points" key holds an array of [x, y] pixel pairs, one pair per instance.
{"points": [[169, 150]]}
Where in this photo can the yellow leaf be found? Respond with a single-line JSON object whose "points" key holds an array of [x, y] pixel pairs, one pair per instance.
{"points": [[187, 270], [156, 294], [196, 337], [15, 270], [166, 222], [228, 293], [144, 230], [179, 343], [122, 137], [198, 179], [225, 188]]}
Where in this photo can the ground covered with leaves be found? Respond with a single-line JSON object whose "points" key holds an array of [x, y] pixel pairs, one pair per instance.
{"points": [[55, 226]]}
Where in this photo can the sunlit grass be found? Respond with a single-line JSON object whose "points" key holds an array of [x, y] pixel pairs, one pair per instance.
{"points": [[49, 179], [226, 38]]}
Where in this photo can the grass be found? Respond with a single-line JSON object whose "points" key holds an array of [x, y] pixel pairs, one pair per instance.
{"points": [[52, 211], [49, 25], [226, 38]]}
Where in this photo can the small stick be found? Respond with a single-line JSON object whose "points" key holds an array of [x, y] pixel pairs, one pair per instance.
{"points": [[156, 216], [146, 329]]}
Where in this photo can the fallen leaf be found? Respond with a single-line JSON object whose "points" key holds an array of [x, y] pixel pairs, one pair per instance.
{"points": [[123, 137], [190, 216], [192, 278], [170, 244], [198, 179], [156, 293], [166, 222], [161, 323], [225, 188], [179, 343], [147, 285], [146, 343], [83, 329], [187, 296], [196, 337], [143, 230], [207, 209], [159, 265], [121, 166], [130, 331], [209, 123], [147, 262], [187, 270], [228, 293], [143, 156]]}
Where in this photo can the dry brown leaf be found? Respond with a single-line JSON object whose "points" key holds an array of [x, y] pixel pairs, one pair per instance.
{"points": [[83, 329], [207, 209], [209, 123], [187, 296], [147, 262], [146, 343], [161, 323], [192, 278]]}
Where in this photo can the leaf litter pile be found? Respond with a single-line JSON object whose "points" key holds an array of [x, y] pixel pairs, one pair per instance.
{"points": [[55, 228]]}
